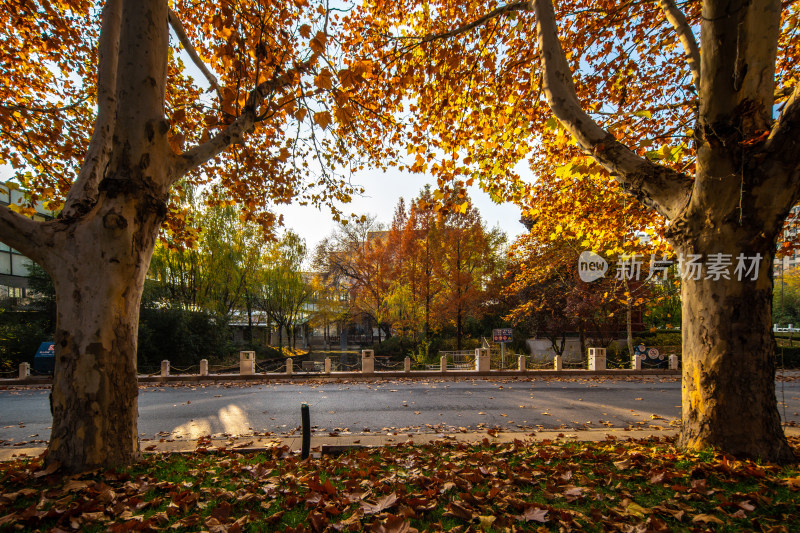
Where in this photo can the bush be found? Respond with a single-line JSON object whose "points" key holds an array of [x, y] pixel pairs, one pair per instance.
{"points": [[21, 333], [182, 337], [396, 347], [787, 357]]}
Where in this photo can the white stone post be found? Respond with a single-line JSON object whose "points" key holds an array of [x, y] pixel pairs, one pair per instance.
{"points": [[164, 368], [327, 365], [24, 370], [673, 362], [289, 366], [203, 367], [557, 363], [636, 361], [597, 358], [521, 363], [482, 360], [407, 364], [367, 362], [443, 363], [247, 363]]}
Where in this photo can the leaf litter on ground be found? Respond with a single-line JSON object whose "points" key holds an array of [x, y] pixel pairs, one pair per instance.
{"points": [[613, 485]]}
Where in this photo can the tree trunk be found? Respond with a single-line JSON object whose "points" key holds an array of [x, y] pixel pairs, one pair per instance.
{"points": [[249, 320], [459, 328], [99, 276], [728, 353], [101, 250]]}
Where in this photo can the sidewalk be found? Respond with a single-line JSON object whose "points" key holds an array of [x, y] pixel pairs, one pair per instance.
{"points": [[254, 444]]}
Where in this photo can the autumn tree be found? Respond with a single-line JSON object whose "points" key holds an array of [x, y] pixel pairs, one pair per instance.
{"points": [[421, 249], [693, 110], [282, 290], [359, 257], [468, 259], [248, 118]]}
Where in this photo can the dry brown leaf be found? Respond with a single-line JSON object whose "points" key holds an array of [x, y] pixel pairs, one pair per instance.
{"points": [[384, 503], [533, 514]]}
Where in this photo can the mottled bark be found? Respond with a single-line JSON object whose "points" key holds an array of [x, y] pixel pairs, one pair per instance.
{"points": [[728, 393], [742, 190], [99, 275]]}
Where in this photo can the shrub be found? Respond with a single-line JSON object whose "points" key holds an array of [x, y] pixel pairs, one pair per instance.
{"points": [[182, 337]]}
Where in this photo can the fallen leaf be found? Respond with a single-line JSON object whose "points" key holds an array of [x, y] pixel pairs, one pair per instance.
{"points": [[384, 503], [533, 514], [707, 519]]}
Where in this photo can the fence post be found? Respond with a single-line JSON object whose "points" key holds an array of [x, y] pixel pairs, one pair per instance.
{"points": [[443, 363], [24, 370], [482, 360], [367, 362], [597, 358], [289, 366], [164, 368], [636, 362], [521, 363], [327, 365], [203, 367], [407, 364], [673, 362], [247, 363], [557, 365]]}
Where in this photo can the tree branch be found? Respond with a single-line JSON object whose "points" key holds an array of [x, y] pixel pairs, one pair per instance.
{"points": [[83, 193], [22, 233], [177, 26], [234, 133], [520, 5], [676, 17], [659, 187], [783, 143], [43, 110]]}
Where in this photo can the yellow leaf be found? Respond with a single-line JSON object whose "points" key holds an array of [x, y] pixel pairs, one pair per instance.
{"points": [[323, 119], [707, 518]]}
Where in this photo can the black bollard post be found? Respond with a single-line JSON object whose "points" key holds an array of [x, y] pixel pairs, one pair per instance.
{"points": [[304, 416]]}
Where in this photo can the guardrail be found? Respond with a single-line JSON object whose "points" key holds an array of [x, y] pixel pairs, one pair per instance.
{"points": [[476, 365]]}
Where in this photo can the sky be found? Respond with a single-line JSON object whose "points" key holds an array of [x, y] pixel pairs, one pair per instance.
{"points": [[382, 192]]}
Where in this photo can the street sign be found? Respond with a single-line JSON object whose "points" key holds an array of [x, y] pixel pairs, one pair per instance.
{"points": [[502, 335]]}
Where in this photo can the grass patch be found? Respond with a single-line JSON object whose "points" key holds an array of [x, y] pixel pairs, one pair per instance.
{"points": [[646, 485]]}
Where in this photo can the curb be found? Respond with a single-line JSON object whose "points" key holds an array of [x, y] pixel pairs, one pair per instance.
{"points": [[260, 444]]}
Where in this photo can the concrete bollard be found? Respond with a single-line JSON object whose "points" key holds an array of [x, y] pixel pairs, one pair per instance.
{"points": [[289, 366], [557, 364], [327, 365], [367, 362], [521, 363], [636, 362], [443, 363], [673, 362], [597, 358], [247, 363], [483, 360], [203, 367], [407, 364], [164, 368], [24, 370]]}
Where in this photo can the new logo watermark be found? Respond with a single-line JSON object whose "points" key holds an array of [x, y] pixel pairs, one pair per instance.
{"points": [[718, 266], [591, 266]]}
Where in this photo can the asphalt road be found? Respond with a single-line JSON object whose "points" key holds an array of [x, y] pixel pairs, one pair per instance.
{"points": [[191, 411]]}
